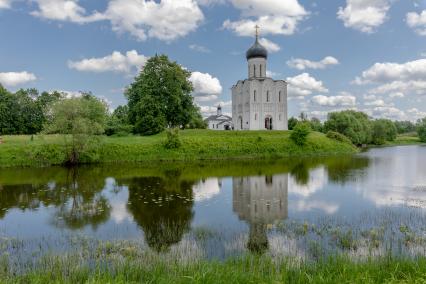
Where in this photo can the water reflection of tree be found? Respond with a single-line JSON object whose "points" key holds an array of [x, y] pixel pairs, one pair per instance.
{"points": [[162, 207], [340, 168], [81, 200], [300, 172], [345, 169], [77, 199]]}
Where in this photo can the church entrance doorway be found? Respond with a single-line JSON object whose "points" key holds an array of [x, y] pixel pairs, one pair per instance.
{"points": [[268, 123]]}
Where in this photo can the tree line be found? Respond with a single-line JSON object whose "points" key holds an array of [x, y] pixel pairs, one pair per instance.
{"points": [[159, 98], [359, 128]]}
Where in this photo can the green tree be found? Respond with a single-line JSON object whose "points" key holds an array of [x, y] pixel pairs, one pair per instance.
{"points": [[383, 130], [405, 127], [316, 124], [165, 84], [354, 125], [421, 129], [118, 122], [81, 118], [300, 133], [150, 118], [197, 121], [19, 112], [379, 133], [292, 123]]}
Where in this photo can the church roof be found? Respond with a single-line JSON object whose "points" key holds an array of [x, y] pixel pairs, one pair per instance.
{"points": [[219, 118], [257, 50]]}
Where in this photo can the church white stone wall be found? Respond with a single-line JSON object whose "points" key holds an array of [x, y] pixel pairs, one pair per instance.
{"points": [[259, 102], [261, 199]]}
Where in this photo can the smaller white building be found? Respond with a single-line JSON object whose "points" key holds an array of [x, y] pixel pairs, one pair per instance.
{"points": [[219, 121]]}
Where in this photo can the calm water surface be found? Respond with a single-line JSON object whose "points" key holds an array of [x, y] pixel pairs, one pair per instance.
{"points": [[226, 206]]}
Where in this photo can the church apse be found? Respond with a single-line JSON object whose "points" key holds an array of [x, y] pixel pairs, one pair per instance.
{"points": [[260, 201]]}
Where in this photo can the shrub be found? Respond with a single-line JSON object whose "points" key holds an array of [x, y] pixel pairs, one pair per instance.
{"points": [[300, 133], [172, 139], [292, 123], [354, 125], [338, 137]]}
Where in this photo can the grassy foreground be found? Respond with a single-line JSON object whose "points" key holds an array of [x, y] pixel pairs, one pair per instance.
{"points": [[196, 145], [248, 269]]}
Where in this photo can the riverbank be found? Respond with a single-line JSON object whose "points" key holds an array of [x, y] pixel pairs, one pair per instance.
{"points": [[405, 139], [19, 151], [248, 269]]}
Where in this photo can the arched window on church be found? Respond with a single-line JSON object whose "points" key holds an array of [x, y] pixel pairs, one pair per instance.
{"points": [[279, 96], [267, 96], [254, 95], [260, 73], [254, 70]]}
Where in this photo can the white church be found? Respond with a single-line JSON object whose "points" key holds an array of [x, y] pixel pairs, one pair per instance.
{"points": [[259, 102]]}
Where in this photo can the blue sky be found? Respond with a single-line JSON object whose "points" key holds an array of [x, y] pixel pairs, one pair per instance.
{"points": [[368, 55]]}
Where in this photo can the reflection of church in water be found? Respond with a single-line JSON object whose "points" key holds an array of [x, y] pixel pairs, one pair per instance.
{"points": [[260, 201]]}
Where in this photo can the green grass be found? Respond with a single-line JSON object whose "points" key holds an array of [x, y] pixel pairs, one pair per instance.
{"points": [[248, 269], [406, 139], [196, 145]]}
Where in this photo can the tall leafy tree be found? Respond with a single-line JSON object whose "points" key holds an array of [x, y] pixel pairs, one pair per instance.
{"points": [[165, 84], [19, 112]]}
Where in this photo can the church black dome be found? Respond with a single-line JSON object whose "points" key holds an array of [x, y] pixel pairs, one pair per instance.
{"points": [[257, 50]]}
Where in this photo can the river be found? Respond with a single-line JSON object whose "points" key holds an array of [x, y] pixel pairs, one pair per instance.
{"points": [[364, 204]]}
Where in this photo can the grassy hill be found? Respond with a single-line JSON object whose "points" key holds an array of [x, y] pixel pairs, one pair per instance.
{"points": [[196, 145]]}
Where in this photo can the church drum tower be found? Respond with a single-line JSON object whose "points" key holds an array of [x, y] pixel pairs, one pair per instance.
{"points": [[259, 102]]}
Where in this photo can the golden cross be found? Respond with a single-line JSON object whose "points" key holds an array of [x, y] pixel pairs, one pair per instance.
{"points": [[257, 30]]}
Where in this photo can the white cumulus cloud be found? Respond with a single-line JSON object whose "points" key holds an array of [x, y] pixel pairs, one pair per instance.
{"points": [[12, 79], [116, 62], [364, 15], [376, 103], [396, 79], [206, 87], [388, 112], [304, 85], [270, 45], [384, 72], [273, 16], [333, 101], [64, 10], [5, 4], [417, 21], [302, 64], [416, 114], [199, 48], [165, 20]]}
